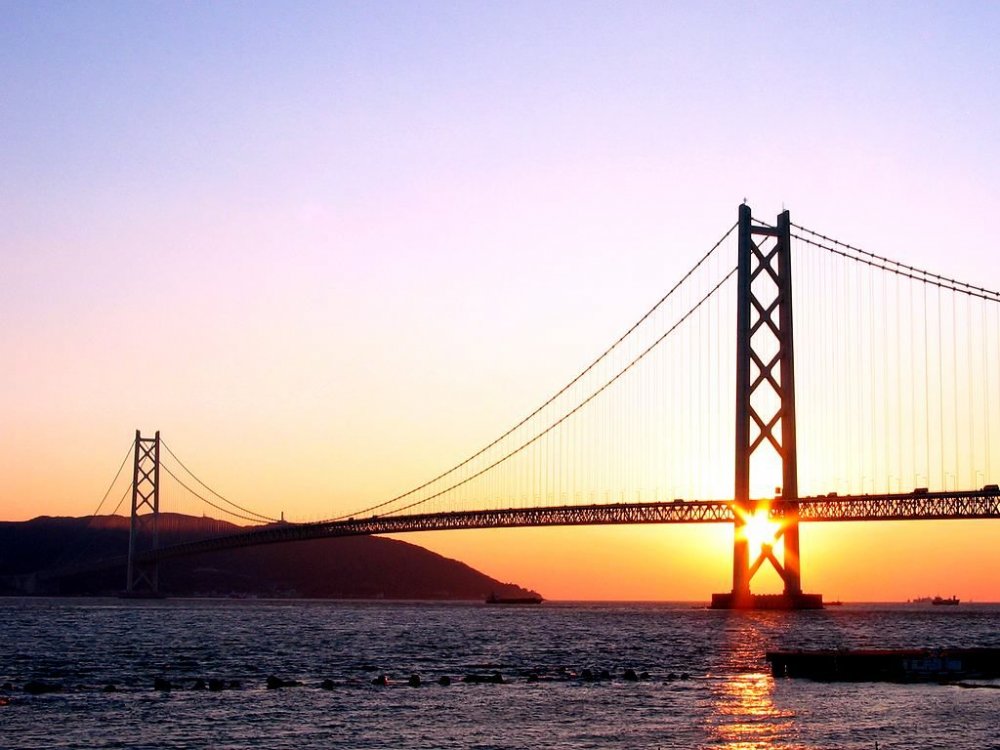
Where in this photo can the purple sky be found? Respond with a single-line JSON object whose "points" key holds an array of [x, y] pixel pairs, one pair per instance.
{"points": [[309, 241]]}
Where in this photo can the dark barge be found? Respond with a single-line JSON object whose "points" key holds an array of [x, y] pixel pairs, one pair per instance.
{"points": [[494, 599], [888, 665]]}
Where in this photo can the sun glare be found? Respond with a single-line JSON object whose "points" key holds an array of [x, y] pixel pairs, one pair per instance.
{"points": [[760, 530]]}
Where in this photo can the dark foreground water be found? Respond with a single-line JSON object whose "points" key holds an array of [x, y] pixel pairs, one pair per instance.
{"points": [[729, 699]]}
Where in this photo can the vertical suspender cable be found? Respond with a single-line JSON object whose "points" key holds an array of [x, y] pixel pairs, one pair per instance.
{"points": [[986, 384], [718, 389], [940, 357], [954, 385], [900, 394], [857, 382], [995, 338], [837, 334], [686, 394], [913, 391], [927, 396], [871, 365], [972, 416], [885, 391], [701, 408], [850, 382]]}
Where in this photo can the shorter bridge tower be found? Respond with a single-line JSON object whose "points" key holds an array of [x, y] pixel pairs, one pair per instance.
{"points": [[765, 405], [143, 576]]}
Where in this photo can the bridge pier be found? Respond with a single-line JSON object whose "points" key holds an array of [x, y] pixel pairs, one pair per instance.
{"points": [[764, 350], [767, 601]]}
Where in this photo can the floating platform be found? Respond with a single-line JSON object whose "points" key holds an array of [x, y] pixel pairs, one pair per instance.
{"points": [[767, 601], [888, 665]]}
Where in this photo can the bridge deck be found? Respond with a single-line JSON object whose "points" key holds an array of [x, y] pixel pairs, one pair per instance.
{"points": [[893, 507], [929, 506]]}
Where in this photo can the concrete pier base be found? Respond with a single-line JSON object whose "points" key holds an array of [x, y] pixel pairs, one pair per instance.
{"points": [[767, 601]]}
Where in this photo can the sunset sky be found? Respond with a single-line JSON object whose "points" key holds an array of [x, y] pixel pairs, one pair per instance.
{"points": [[329, 249]]}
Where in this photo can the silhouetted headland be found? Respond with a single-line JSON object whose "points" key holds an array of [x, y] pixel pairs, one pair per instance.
{"points": [[345, 568]]}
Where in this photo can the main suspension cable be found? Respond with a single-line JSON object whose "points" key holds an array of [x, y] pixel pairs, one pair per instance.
{"points": [[205, 499], [128, 489], [947, 283], [259, 516], [551, 399], [74, 548], [575, 409], [114, 481]]}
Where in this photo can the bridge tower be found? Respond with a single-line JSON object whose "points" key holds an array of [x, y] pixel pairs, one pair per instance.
{"points": [[765, 411], [143, 577]]}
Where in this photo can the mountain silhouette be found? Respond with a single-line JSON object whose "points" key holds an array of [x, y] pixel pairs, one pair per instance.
{"points": [[343, 568]]}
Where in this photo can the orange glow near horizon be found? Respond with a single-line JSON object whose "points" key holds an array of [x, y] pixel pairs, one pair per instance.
{"points": [[325, 302]]}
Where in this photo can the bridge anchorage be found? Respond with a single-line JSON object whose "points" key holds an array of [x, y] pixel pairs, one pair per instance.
{"points": [[764, 343]]}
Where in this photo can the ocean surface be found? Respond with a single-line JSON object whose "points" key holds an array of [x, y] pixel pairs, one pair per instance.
{"points": [[708, 684]]}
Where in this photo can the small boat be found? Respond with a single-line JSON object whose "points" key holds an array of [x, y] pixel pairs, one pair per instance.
{"points": [[951, 601], [494, 599]]}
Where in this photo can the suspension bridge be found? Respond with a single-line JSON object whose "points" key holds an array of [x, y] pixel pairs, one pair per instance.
{"points": [[890, 412]]}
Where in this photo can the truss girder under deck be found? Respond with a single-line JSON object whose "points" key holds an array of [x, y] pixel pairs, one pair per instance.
{"points": [[908, 507]]}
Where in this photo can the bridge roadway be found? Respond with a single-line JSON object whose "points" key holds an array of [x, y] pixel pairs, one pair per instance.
{"points": [[924, 506], [927, 506]]}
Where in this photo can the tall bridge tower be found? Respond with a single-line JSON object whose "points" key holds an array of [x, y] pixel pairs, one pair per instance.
{"points": [[143, 577], [765, 400]]}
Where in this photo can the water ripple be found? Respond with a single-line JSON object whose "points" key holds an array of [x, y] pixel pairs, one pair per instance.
{"points": [[701, 678]]}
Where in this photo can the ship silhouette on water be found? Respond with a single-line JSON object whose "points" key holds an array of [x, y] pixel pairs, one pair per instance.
{"points": [[950, 601], [937, 601], [494, 599]]}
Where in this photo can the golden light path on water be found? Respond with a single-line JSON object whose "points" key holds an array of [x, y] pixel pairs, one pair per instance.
{"points": [[743, 715]]}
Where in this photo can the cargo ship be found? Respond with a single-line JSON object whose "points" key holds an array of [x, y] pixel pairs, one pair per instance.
{"points": [[938, 601], [935, 600]]}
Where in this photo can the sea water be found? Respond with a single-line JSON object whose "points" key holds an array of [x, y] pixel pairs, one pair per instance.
{"points": [[708, 683]]}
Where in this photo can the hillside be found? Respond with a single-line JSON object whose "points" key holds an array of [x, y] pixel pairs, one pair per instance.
{"points": [[349, 568]]}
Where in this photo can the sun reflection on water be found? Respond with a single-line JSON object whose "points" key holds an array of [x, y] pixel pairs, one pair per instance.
{"points": [[743, 715]]}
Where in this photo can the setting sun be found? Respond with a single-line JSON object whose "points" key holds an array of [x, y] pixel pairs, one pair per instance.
{"points": [[759, 530]]}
